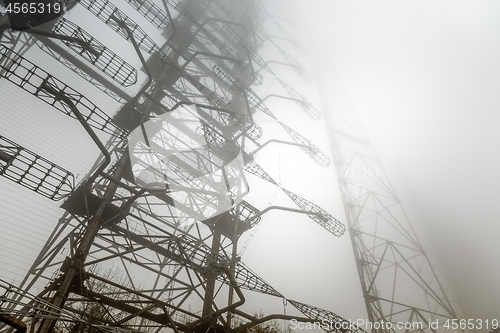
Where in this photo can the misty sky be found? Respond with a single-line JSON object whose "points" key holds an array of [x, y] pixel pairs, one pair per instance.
{"points": [[424, 77]]}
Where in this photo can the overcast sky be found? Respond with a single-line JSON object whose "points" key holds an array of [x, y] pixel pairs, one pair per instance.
{"points": [[424, 77]]}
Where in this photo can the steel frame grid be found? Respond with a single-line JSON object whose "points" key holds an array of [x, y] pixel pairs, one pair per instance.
{"points": [[34, 172], [97, 231], [397, 276]]}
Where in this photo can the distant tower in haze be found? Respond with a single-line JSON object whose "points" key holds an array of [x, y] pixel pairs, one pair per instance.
{"points": [[397, 277]]}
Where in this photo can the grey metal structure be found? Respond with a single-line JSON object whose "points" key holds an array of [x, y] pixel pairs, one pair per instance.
{"points": [[174, 268], [139, 248], [398, 277]]}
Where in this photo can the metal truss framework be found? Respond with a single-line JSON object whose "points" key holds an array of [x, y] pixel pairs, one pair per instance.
{"points": [[397, 277], [33, 171], [173, 270]]}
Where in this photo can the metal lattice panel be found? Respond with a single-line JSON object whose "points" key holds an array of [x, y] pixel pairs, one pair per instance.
{"points": [[301, 101], [291, 39], [113, 17], [297, 67], [96, 53], [33, 171], [49, 89], [16, 42], [314, 152], [255, 169], [150, 11], [324, 219], [116, 94]]}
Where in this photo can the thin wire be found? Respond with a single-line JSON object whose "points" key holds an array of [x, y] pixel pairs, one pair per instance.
{"points": [[278, 189], [271, 202]]}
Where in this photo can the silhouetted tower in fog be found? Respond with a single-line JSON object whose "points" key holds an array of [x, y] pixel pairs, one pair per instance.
{"points": [[397, 277]]}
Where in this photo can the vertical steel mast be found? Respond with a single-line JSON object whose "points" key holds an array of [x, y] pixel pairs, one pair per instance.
{"points": [[397, 276]]}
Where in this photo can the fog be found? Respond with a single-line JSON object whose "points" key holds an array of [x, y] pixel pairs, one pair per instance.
{"points": [[424, 78]]}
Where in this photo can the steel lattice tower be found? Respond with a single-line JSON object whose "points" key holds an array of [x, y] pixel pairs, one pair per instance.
{"points": [[397, 275], [178, 268]]}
